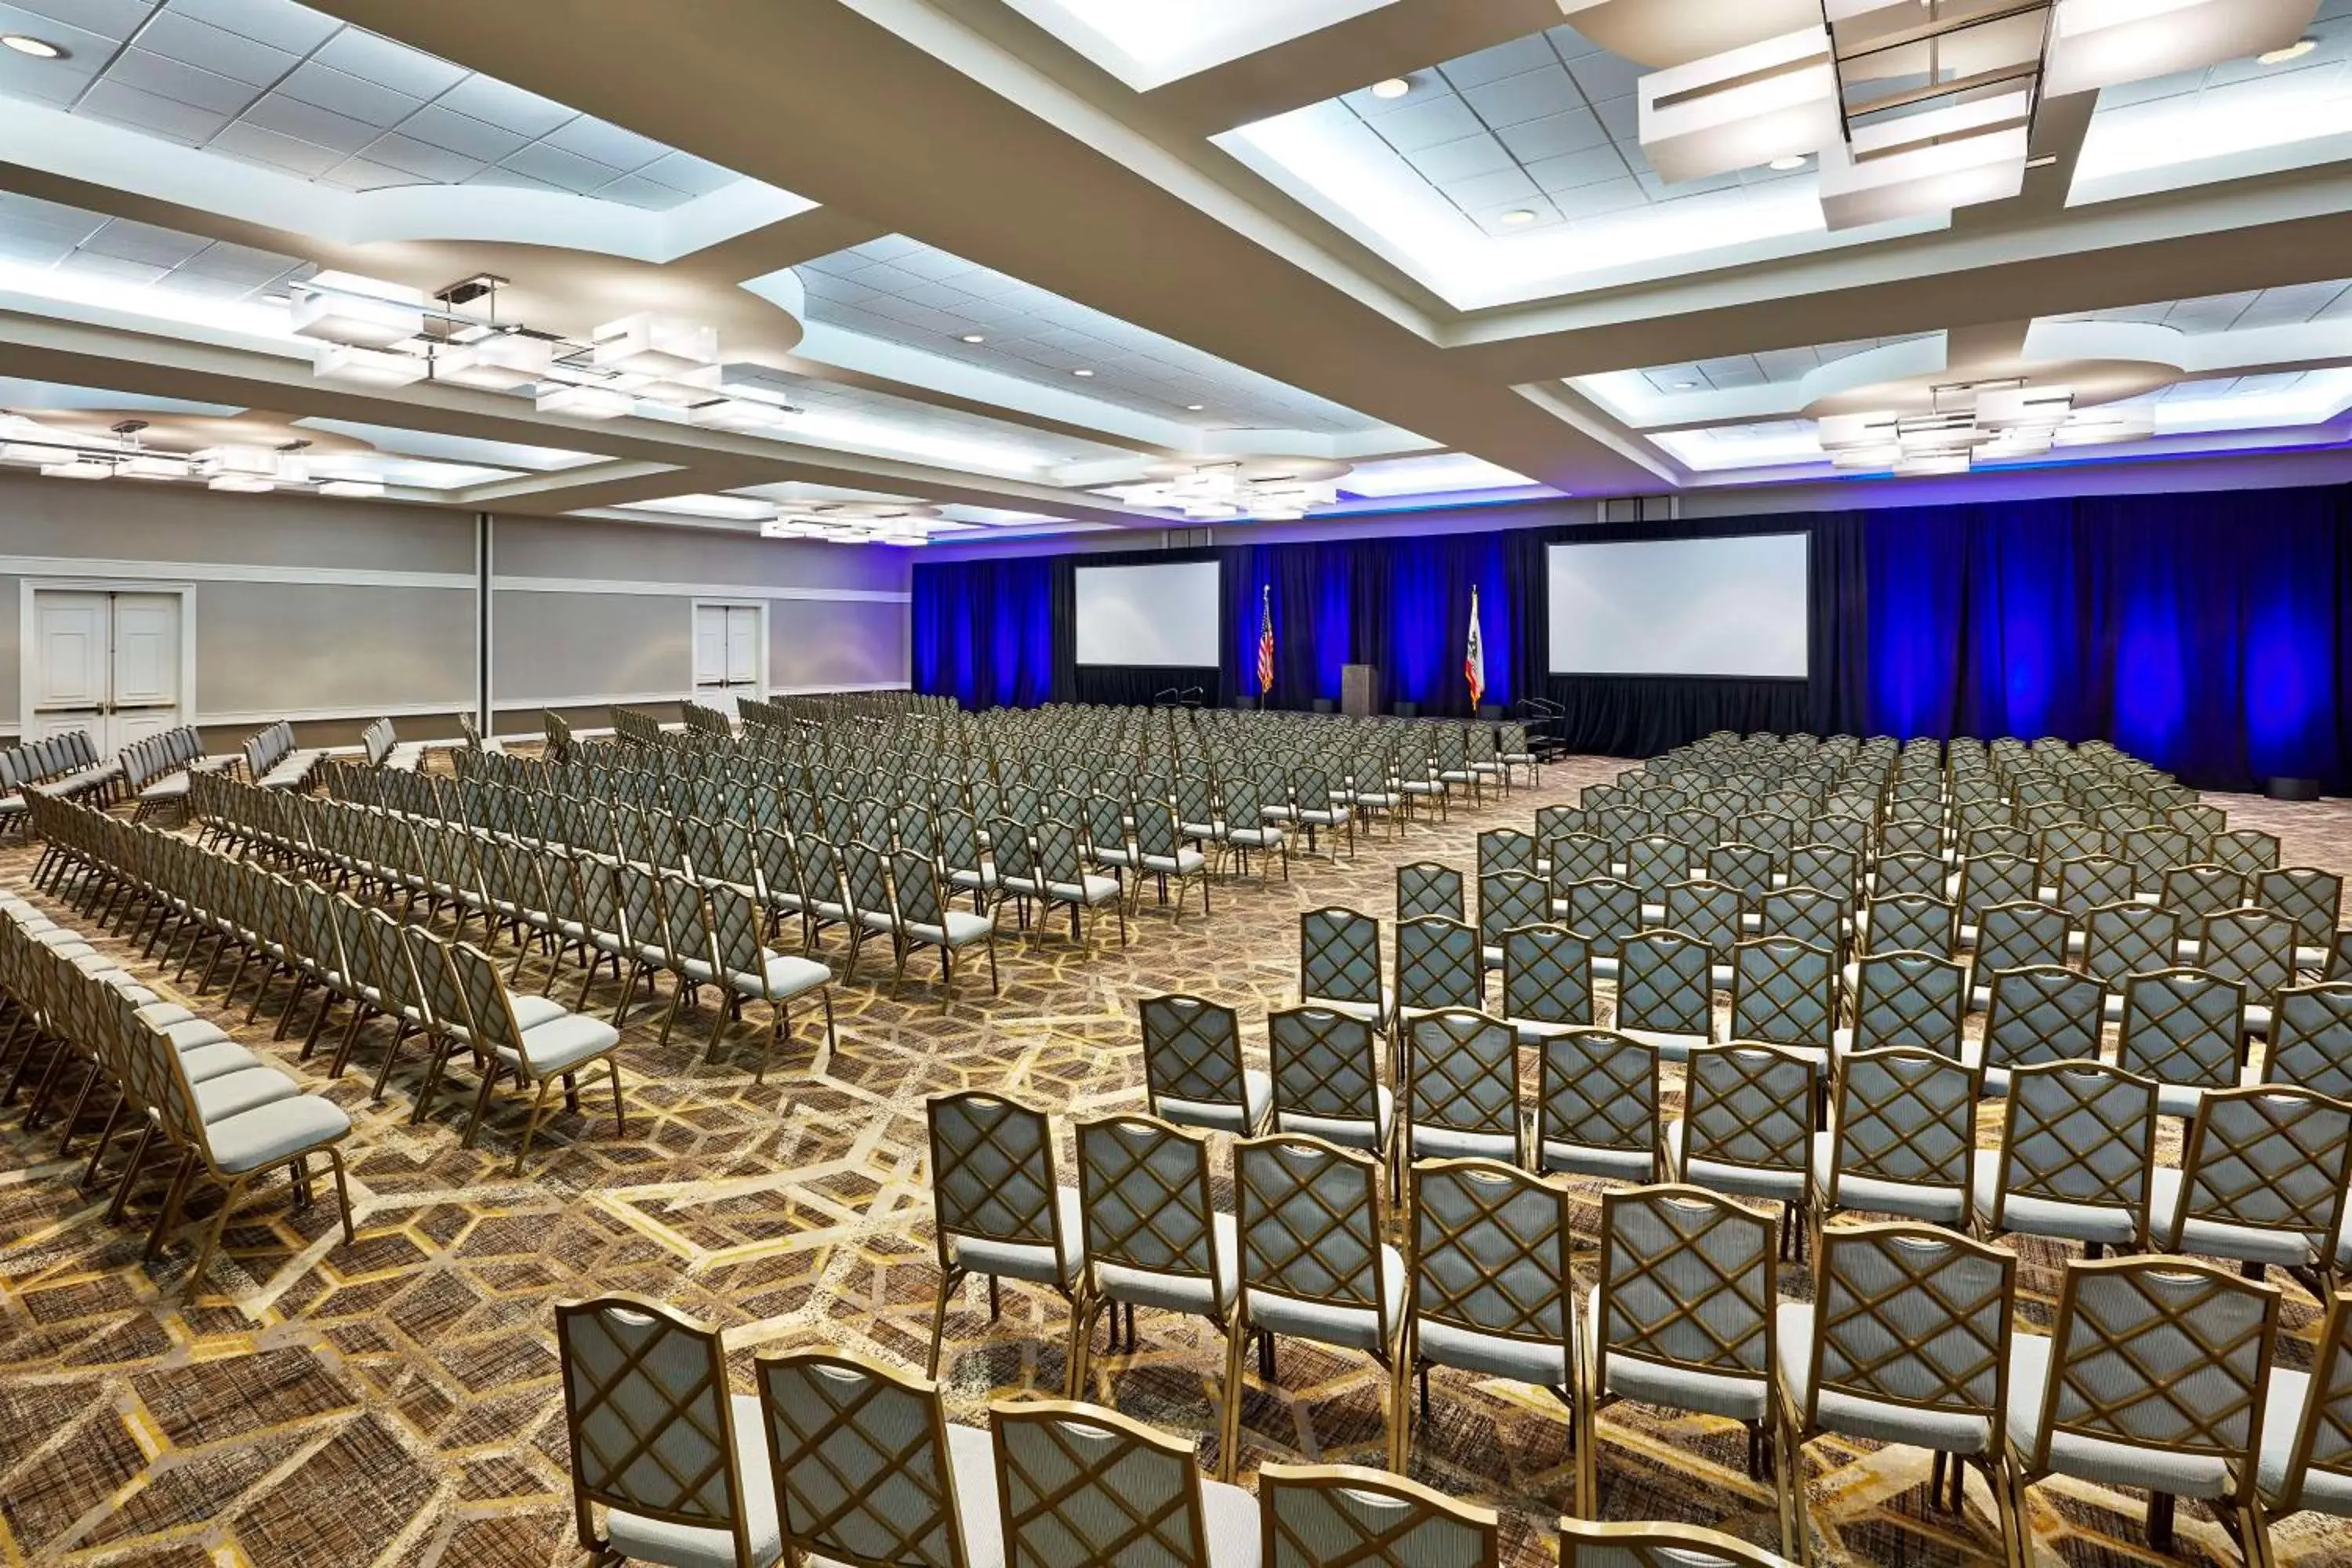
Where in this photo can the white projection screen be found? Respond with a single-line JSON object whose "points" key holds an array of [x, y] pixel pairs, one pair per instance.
{"points": [[1148, 615], [1681, 606]]}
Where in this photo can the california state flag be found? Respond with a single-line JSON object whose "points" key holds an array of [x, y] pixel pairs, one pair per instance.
{"points": [[1473, 660]]}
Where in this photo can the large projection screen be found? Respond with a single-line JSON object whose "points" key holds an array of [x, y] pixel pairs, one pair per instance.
{"points": [[1164, 614], [1681, 606]]}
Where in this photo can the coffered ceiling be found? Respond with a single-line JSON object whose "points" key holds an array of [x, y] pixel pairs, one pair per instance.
{"points": [[1007, 258]]}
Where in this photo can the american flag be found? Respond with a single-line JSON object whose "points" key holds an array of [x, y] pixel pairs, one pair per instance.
{"points": [[1266, 642], [1474, 662]]}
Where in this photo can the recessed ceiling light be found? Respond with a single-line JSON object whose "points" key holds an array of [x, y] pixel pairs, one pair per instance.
{"points": [[974, 338], [2294, 51], [1794, 160], [1685, 387], [1082, 373], [1194, 408], [26, 44], [1392, 86], [1519, 215]]}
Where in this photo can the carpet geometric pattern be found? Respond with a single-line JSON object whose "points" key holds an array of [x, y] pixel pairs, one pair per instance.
{"points": [[395, 1403]]}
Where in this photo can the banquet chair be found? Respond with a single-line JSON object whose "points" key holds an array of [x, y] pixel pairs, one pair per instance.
{"points": [[1906, 1340], [1906, 999], [554, 1051], [1902, 1131], [1547, 981], [1062, 879], [1746, 1128], [1193, 1070], [924, 920], [1608, 912], [2077, 1143], [1666, 995], [1326, 1078], [1461, 1088], [1808, 914], [1508, 899], [2153, 1376], [1153, 1235], [2020, 935], [2186, 1029], [749, 972], [1437, 966], [2310, 1039], [1160, 852], [1084, 1487], [2306, 1452], [997, 1209], [1346, 1516], [1680, 1318], [1491, 1288], [678, 1464], [1597, 1106], [1339, 963], [2262, 1182], [1426, 887], [866, 1467], [1711, 912], [2254, 947], [1784, 993], [1313, 1265]]}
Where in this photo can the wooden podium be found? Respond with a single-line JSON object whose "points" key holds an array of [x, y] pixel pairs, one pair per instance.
{"points": [[1358, 684]]}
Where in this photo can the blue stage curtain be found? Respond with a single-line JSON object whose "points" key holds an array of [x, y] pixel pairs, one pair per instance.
{"points": [[982, 631], [2205, 633]]}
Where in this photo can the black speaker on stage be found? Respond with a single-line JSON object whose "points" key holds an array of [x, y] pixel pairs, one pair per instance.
{"points": [[2291, 789]]}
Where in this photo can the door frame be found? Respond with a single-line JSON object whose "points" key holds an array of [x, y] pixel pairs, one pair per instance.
{"points": [[693, 629], [28, 588]]}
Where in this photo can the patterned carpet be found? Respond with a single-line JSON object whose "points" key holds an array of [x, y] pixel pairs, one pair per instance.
{"points": [[396, 1403]]}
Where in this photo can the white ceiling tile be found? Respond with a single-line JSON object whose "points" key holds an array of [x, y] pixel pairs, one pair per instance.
{"points": [[357, 52], [589, 137], [144, 242], [116, 19], [1501, 60], [223, 259], [53, 82], [91, 264], [1589, 167], [1666, 191], [183, 83], [939, 295], [1569, 43], [1461, 159], [308, 122], [887, 277], [359, 174], [1529, 96], [505, 106], [204, 285], [20, 211], [324, 87], [1604, 75], [889, 247], [144, 111], [685, 172], [462, 133], [252, 143], [1425, 125], [1607, 196], [509, 179], [1554, 135], [32, 249], [934, 265], [281, 23], [86, 50], [421, 159], [216, 50], [1623, 119], [646, 195], [1485, 190], [561, 169]]}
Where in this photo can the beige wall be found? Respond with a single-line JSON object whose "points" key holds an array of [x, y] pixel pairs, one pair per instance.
{"points": [[331, 611]]}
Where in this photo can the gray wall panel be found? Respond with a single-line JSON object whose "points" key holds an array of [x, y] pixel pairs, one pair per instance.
{"points": [[564, 646], [272, 647]]}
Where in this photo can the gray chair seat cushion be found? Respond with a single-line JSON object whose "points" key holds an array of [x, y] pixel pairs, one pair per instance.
{"points": [[2219, 1238], [1588, 1160], [1086, 891], [964, 929], [216, 1060], [1224, 1116], [2047, 1216], [2282, 1420], [1179, 1293], [881, 921], [1033, 1261], [1266, 837], [1371, 1012], [1354, 1328], [1786, 1186], [1447, 1144], [1735, 1396], [1540, 1362], [1104, 855], [2097, 1458], [530, 1011], [276, 1132], [780, 976], [247, 1089], [1937, 1203], [692, 1546], [1952, 1431], [558, 1044], [1183, 863], [1349, 1133]]}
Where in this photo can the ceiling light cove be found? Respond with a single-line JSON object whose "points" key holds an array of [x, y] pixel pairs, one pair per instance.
{"points": [[1259, 487]]}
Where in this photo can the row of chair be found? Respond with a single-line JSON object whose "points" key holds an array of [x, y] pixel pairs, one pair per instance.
{"points": [[272, 761], [1909, 1335], [64, 765], [838, 1458]]}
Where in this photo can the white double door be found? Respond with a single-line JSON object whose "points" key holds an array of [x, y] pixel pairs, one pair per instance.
{"points": [[105, 662], [727, 663]]}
